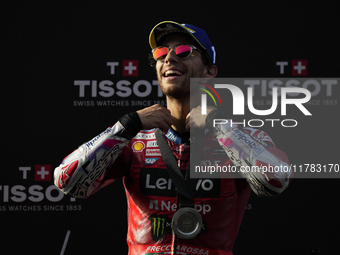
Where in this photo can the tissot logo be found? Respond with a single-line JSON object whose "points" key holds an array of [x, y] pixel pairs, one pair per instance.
{"points": [[43, 173], [156, 182], [120, 88], [130, 67], [299, 67]]}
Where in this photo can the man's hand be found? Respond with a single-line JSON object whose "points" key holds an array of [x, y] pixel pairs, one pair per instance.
{"points": [[195, 119], [156, 116]]}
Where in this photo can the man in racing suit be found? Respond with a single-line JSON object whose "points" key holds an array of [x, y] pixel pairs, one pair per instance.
{"points": [[129, 149]]}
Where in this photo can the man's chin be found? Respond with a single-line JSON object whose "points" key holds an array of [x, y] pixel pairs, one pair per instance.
{"points": [[174, 90]]}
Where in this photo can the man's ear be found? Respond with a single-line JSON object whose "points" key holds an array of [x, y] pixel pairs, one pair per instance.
{"points": [[212, 72]]}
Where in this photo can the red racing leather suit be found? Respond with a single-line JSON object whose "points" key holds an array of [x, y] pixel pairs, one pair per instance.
{"points": [[151, 196]]}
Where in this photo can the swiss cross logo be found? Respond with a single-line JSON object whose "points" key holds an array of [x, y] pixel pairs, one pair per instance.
{"points": [[299, 67], [42, 173], [130, 67]]}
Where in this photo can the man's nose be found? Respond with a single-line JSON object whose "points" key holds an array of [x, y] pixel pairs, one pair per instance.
{"points": [[171, 56]]}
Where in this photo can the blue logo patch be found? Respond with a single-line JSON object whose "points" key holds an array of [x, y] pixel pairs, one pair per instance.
{"points": [[173, 137], [150, 161]]}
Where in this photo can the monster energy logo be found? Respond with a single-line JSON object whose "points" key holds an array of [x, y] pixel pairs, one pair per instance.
{"points": [[160, 224]]}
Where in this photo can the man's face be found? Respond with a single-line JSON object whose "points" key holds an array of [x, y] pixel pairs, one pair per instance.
{"points": [[174, 73]]}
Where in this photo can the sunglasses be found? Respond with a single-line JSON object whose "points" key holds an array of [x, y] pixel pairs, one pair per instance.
{"points": [[182, 51]]}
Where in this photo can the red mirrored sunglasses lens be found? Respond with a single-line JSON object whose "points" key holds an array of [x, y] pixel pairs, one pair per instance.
{"points": [[183, 51], [160, 53]]}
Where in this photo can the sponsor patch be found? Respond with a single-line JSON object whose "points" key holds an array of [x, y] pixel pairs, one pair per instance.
{"points": [[152, 144], [156, 182], [150, 161], [173, 137], [153, 152], [160, 224], [145, 136], [138, 146], [94, 171]]}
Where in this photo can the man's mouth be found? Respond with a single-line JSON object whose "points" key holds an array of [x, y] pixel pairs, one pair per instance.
{"points": [[172, 73]]}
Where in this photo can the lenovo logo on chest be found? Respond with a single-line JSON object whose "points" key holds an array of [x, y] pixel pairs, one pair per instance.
{"points": [[156, 182]]}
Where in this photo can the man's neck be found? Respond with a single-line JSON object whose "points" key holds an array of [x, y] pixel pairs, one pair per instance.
{"points": [[179, 109]]}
